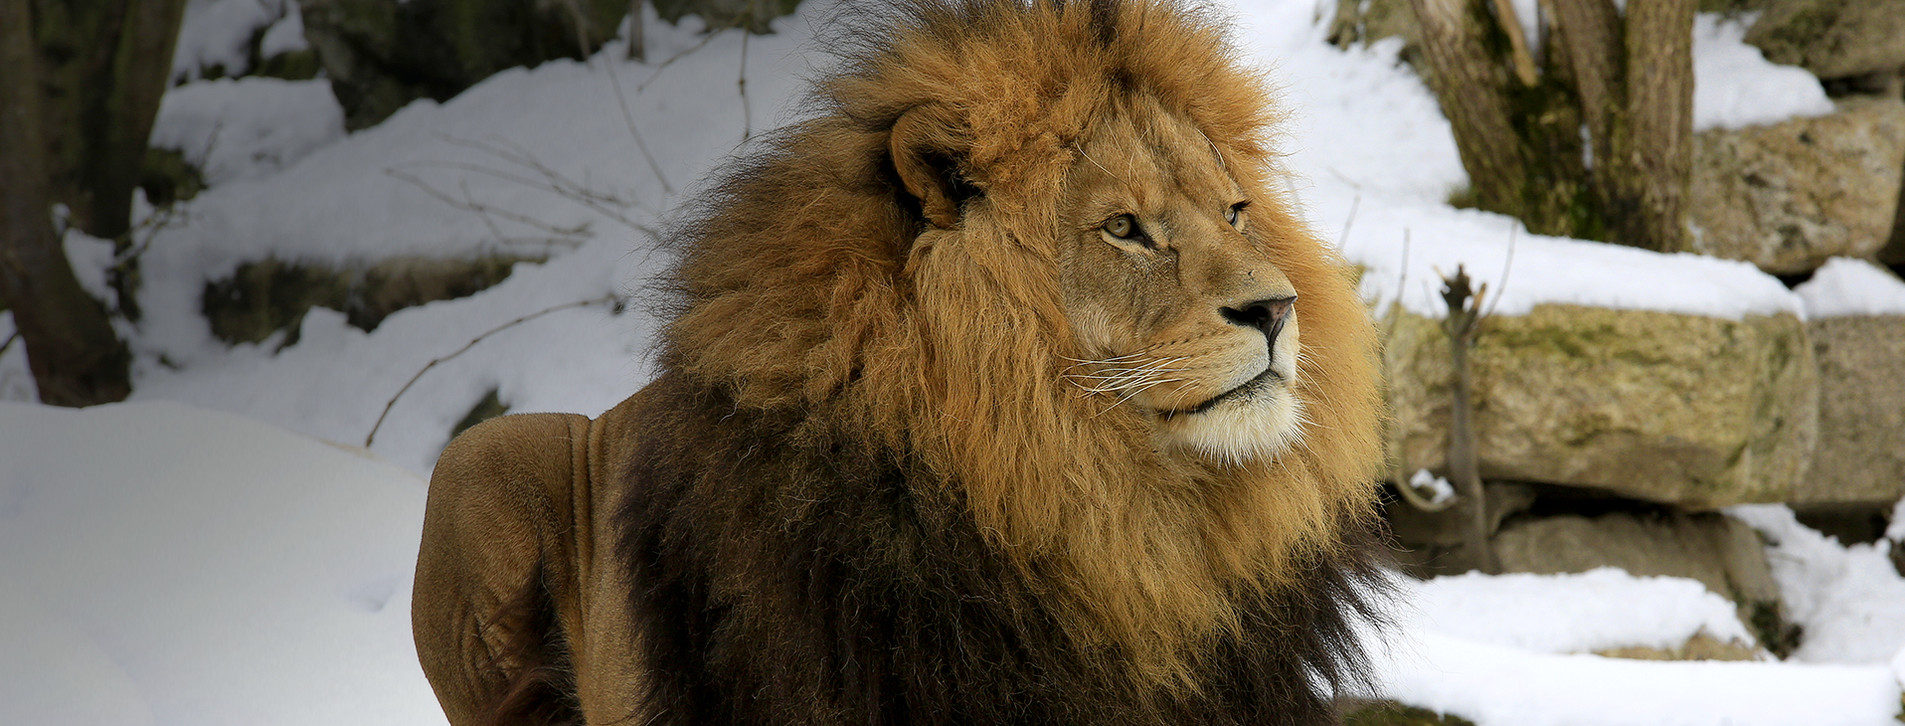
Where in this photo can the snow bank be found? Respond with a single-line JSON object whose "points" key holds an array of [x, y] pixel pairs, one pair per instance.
{"points": [[170, 565], [1845, 286], [1849, 600], [1569, 613], [249, 127], [1496, 686]]}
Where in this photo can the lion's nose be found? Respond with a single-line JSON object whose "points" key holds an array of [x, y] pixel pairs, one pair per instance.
{"points": [[1267, 315]]}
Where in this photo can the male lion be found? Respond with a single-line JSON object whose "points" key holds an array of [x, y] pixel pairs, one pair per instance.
{"points": [[1009, 389]]}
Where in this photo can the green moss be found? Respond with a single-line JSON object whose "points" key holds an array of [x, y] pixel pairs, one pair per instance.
{"points": [[168, 178], [1774, 632], [299, 65]]}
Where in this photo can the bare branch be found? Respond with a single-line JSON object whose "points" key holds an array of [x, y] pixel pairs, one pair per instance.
{"points": [[434, 362]]}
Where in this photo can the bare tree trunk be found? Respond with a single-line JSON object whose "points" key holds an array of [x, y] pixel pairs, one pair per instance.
{"points": [[1627, 81], [1644, 185], [1473, 89], [637, 36], [108, 63], [76, 358]]}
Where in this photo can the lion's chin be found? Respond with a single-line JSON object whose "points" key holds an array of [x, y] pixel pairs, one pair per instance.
{"points": [[1260, 426]]}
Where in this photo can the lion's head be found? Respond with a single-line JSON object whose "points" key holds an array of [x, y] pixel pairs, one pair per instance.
{"points": [[1041, 247]]}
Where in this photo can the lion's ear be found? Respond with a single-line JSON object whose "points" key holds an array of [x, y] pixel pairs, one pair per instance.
{"points": [[927, 151]]}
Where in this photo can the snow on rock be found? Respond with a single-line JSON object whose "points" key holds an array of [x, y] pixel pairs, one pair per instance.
{"points": [[249, 127], [1575, 613], [1849, 600], [1735, 86], [1497, 686], [1404, 249], [1845, 286], [218, 33], [286, 35], [171, 565]]}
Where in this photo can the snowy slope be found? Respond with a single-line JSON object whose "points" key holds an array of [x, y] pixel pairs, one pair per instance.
{"points": [[170, 565]]}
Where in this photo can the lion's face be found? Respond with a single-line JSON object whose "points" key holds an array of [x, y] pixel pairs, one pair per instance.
{"points": [[1176, 301]]}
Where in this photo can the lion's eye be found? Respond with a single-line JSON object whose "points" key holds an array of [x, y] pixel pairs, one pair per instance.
{"points": [[1235, 213], [1123, 226]]}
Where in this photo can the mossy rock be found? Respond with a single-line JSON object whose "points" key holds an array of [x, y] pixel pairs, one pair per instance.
{"points": [[1686, 410], [381, 55], [262, 298], [168, 178]]}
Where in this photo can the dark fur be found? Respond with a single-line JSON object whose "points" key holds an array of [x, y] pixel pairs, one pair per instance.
{"points": [[819, 585]]}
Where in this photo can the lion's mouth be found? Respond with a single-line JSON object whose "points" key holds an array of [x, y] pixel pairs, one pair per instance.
{"points": [[1243, 389]]}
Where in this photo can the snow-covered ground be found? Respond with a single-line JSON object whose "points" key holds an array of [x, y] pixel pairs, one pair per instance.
{"points": [[213, 563]]}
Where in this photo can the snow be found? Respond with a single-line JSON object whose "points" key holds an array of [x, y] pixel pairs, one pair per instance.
{"points": [[286, 35], [216, 563], [1845, 286], [1735, 86], [249, 127], [170, 565], [1850, 600], [1439, 489], [1496, 686], [1591, 611], [218, 33]]}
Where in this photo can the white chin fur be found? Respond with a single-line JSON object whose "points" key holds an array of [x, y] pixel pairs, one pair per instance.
{"points": [[1235, 432]]}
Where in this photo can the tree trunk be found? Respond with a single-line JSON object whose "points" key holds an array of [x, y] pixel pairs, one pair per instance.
{"points": [[76, 358], [1627, 82], [1644, 184], [106, 64]]}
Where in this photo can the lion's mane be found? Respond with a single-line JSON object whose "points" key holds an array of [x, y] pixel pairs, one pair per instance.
{"points": [[869, 498]]}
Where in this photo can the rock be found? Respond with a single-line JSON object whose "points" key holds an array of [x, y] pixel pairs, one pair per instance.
{"points": [[261, 298], [1861, 452], [1833, 38], [1788, 196], [1722, 553], [720, 14], [381, 55], [1688, 410], [1699, 647]]}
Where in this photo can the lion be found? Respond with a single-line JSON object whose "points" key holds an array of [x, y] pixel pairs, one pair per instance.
{"points": [[1007, 388]]}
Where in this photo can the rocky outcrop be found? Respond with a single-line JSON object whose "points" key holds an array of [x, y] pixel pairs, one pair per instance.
{"points": [[1788, 196], [1861, 454], [1687, 410], [1833, 38], [381, 55]]}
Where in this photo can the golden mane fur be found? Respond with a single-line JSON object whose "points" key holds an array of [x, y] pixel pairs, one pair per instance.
{"points": [[812, 285]]}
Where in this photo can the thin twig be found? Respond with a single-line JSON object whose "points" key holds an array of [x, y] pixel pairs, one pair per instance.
{"points": [[372, 437], [9, 344], [628, 118], [747, 113], [659, 67], [1354, 203], [1501, 283]]}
